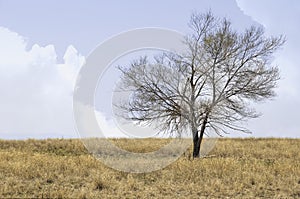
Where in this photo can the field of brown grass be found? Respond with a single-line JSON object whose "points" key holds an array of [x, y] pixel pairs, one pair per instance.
{"points": [[237, 168]]}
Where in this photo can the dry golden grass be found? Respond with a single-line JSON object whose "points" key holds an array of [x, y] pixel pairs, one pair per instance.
{"points": [[239, 168]]}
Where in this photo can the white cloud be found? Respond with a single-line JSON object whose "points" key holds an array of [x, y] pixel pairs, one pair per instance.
{"points": [[108, 127], [36, 91], [69, 69], [92, 123], [281, 117], [14, 57]]}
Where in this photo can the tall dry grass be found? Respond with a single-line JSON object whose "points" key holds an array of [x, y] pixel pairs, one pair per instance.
{"points": [[237, 168]]}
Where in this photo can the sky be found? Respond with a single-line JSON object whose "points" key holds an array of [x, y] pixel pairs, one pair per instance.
{"points": [[43, 44]]}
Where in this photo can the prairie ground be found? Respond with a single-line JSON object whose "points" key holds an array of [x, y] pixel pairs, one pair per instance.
{"points": [[236, 168]]}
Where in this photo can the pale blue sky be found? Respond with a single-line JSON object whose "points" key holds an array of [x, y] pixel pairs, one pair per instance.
{"points": [[84, 24], [43, 43]]}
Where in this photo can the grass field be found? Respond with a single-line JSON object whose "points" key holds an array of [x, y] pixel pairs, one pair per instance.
{"points": [[236, 168]]}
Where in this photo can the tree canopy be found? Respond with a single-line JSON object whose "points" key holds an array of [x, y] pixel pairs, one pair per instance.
{"points": [[208, 88]]}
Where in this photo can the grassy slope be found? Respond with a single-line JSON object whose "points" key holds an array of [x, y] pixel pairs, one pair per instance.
{"points": [[240, 168]]}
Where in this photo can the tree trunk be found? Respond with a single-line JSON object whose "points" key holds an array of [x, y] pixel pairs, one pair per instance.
{"points": [[196, 146], [198, 140]]}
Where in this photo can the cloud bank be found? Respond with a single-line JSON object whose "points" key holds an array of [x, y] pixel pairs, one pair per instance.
{"points": [[281, 116], [36, 90]]}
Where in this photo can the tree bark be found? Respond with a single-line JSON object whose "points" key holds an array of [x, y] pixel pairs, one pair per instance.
{"points": [[198, 140], [196, 145]]}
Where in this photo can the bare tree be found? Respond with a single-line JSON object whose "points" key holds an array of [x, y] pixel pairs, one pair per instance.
{"points": [[209, 87]]}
